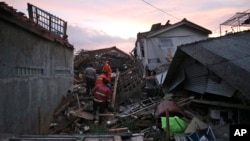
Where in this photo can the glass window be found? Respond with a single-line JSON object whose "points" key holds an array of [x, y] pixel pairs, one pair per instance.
{"points": [[166, 43], [154, 60]]}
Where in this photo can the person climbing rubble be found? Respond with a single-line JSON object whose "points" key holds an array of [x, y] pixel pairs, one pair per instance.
{"points": [[106, 68], [102, 97], [100, 77], [151, 85], [90, 77]]}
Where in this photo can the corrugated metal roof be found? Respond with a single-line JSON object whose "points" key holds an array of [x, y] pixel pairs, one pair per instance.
{"points": [[239, 19], [222, 88], [227, 56], [197, 84]]}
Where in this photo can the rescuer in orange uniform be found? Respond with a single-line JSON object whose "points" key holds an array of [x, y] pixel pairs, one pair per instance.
{"points": [[99, 78], [106, 68], [102, 98]]}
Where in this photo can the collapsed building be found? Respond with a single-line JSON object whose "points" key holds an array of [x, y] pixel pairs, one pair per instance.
{"points": [[118, 59], [201, 81], [205, 89], [216, 73]]}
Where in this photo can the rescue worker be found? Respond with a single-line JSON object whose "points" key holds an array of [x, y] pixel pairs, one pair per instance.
{"points": [[151, 85], [101, 98], [106, 68], [99, 78], [90, 77]]}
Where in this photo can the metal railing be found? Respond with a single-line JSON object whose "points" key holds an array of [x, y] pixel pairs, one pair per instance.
{"points": [[48, 21]]}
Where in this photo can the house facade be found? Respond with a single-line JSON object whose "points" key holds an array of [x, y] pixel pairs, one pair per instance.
{"points": [[36, 71], [158, 46]]}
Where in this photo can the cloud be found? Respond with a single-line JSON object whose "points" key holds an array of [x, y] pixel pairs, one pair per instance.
{"points": [[90, 39], [101, 23]]}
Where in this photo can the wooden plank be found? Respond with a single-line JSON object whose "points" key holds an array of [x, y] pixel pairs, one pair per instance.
{"points": [[222, 104], [81, 114], [65, 101], [115, 88], [167, 127], [78, 102], [122, 129]]}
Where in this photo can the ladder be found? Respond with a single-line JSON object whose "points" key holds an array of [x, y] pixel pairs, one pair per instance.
{"points": [[141, 106]]}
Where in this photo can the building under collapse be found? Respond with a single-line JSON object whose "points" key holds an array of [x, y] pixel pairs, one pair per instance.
{"points": [[208, 80]]}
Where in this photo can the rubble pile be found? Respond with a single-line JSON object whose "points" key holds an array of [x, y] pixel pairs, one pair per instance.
{"points": [[146, 117], [118, 59], [74, 116], [181, 115]]}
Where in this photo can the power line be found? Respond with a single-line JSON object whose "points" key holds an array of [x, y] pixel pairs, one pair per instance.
{"points": [[160, 10]]}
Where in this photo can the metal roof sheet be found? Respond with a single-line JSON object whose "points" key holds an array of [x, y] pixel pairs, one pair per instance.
{"points": [[227, 56], [240, 18]]}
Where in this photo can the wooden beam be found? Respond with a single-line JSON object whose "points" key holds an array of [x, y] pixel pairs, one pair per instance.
{"points": [[115, 88], [222, 104], [167, 127]]}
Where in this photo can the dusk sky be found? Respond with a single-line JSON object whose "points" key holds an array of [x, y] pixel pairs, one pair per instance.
{"points": [[96, 24]]}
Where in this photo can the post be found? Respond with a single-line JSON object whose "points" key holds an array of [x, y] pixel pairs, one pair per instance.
{"points": [[167, 127], [115, 88]]}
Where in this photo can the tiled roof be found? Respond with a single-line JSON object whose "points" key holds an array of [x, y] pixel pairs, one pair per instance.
{"points": [[157, 29]]}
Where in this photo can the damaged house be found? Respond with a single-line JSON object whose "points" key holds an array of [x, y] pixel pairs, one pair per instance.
{"points": [[117, 58], [157, 46], [216, 73], [129, 70], [206, 83], [36, 68]]}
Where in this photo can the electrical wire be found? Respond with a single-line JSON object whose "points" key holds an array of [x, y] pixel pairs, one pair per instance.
{"points": [[160, 9]]}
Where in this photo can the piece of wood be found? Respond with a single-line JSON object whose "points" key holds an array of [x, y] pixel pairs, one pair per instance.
{"points": [[222, 104], [167, 127], [82, 114], [195, 125], [78, 102], [118, 129], [142, 109], [65, 101], [115, 88]]}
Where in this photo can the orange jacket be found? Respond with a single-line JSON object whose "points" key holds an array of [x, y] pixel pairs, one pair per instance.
{"points": [[106, 68], [99, 79], [101, 93]]}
